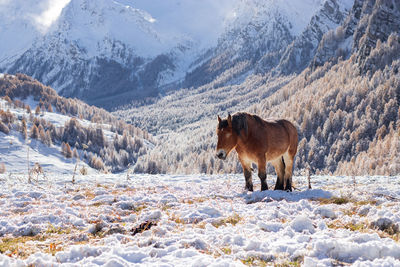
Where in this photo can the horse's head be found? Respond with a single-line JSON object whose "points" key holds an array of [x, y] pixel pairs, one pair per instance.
{"points": [[227, 138]]}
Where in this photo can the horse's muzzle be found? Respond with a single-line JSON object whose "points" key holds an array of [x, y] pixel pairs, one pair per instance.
{"points": [[221, 154]]}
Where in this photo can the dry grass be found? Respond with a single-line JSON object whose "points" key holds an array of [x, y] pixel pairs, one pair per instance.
{"points": [[344, 200], [226, 250], [201, 225], [89, 194], [364, 227], [177, 219], [334, 200], [359, 227], [194, 200], [256, 261], [233, 220], [51, 229], [139, 208], [19, 247], [2, 168]]}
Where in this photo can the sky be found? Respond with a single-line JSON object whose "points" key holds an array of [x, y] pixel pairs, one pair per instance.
{"points": [[41, 13]]}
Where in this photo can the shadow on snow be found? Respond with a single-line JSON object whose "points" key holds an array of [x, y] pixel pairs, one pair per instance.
{"points": [[278, 195]]}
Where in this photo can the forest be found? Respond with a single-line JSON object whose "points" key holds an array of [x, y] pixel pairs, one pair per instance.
{"points": [[78, 140], [347, 116]]}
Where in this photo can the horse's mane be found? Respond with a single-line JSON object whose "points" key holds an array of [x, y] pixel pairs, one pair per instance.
{"points": [[239, 123]]}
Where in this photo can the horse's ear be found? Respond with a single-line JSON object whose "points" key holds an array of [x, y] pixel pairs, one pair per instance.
{"points": [[219, 119], [229, 120]]}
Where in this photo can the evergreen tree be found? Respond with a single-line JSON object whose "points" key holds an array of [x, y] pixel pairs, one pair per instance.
{"points": [[34, 133]]}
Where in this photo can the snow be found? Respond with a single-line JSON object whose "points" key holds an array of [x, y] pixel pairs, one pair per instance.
{"points": [[14, 148], [302, 223], [297, 13], [150, 28], [198, 220]]}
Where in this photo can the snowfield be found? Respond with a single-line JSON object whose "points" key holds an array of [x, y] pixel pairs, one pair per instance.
{"points": [[197, 220]]}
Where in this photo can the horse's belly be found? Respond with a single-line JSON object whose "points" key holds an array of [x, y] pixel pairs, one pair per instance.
{"points": [[273, 155], [248, 159]]}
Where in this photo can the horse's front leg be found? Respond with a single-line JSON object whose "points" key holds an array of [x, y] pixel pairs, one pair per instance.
{"points": [[247, 174], [247, 177], [262, 174]]}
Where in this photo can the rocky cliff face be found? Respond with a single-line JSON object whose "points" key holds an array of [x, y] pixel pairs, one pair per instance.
{"points": [[102, 80], [368, 23], [302, 50], [376, 26], [272, 40]]}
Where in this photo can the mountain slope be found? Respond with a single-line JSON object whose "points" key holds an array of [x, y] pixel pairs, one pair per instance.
{"points": [[345, 116], [75, 130]]}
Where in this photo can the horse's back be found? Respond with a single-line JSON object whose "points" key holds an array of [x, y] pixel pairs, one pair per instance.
{"points": [[280, 134]]}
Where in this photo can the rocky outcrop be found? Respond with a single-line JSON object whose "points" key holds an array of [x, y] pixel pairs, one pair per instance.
{"points": [[299, 54], [368, 23], [380, 24]]}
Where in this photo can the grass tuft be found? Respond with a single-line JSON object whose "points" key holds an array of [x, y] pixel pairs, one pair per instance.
{"points": [[334, 200], [51, 229], [234, 219], [15, 246], [255, 261], [226, 250], [359, 227]]}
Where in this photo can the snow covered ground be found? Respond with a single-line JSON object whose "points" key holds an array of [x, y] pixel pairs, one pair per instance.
{"points": [[197, 220]]}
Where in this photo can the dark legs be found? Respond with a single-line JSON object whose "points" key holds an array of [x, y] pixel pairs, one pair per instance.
{"points": [[279, 166], [288, 171], [262, 174], [247, 177], [247, 173], [283, 167]]}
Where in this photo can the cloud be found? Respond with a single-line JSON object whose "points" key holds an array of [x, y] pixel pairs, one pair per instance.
{"points": [[41, 14], [4, 2], [49, 15]]}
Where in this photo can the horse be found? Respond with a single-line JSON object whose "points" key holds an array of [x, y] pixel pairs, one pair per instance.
{"points": [[258, 141]]}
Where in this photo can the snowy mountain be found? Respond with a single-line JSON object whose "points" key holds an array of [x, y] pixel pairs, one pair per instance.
{"points": [[270, 36], [111, 52]]}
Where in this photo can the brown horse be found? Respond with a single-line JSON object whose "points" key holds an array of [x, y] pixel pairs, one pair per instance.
{"points": [[259, 141]]}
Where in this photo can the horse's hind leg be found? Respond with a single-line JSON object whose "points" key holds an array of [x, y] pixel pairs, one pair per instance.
{"points": [[279, 166], [262, 173], [288, 170]]}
